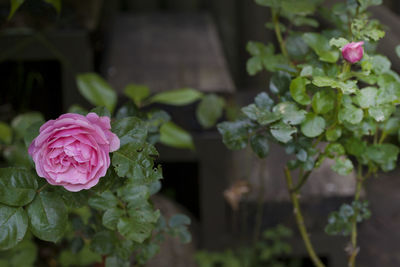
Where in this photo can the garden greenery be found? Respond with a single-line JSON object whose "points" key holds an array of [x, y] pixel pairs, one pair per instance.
{"points": [[324, 101], [113, 222]]}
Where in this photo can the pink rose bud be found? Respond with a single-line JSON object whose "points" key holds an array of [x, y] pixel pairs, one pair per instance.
{"points": [[73, 150], [353, 52]]}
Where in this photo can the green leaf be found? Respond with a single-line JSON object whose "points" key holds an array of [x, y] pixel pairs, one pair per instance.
{"points": [[235, 134], [174, 136], [179, 220], [348, 87], [334, 150], [24, 254], [298, 91], [48, 216], [380, 64], [13, 225], [103, 201], [282, 132], [350, 114], [383, 154], [77, 109], [290, 113], [134, 229], [55, 3], [391, 126], [296, 47], [5, 133], [101, 111], [323, 101], [85, 257], [263, 101], [17, 186], [262, 116], [333, 134], [136, 162], [209, 110], [302, 8], [111, 217], [338, 42], [32, 132], [343, 166], [321, 47], [22, 122], [103, 242], [178, 97], [96, 90], [355, 147], [381, 112], [116, 261], [129, 130], [137, 93], [254, 65], [259, 144], [365, 98], [313, 125], [280, 83], [15, 4]]}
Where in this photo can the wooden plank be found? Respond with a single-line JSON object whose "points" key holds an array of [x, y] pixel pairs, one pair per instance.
{"points": [[167, 51]]}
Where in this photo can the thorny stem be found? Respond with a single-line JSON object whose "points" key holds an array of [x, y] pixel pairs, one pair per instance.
{"points": [[294, 196], [260, 204], [354, 248], [275, 19]]}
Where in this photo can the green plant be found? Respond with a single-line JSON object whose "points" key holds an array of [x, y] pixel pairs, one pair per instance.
{"points": [[270, 251], [323, 106], [114, 222]]}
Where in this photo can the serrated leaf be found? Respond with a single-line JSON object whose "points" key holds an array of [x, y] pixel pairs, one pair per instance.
{"points": [[283, 132], [350, 114], [380, 64], [136, 162], [175, 136], [259, 144], [290, 113], [134, 230], [48, 216], [254, 65], [234, 134], [343, 166], [381, 112], [313, 125], [103, 242], [13, 226], [103, 201], [111, 217], [280, 82], [321, 47], [262, 116], [323, 101], [96, 90], [366, 97], [17, 186], [209, 110], [383, 154], [129, 130], [137, 93], [298, 91], [178, 97]]}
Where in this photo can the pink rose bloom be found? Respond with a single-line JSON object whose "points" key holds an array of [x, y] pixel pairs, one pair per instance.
{"points": [[73, 150], [353, 52]]}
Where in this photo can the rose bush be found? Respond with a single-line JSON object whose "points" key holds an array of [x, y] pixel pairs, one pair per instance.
{"points": [[73, 150]]}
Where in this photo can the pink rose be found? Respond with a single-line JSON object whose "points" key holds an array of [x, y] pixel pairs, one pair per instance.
{"points": [[73, 150], [353, 52]]}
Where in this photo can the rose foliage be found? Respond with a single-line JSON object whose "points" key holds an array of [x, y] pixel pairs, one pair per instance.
{"points": [[99, 173], [331, 95]]}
